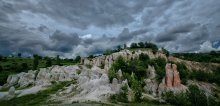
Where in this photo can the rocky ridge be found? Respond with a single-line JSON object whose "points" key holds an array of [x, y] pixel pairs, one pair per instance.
{"points": [[92, 82]]}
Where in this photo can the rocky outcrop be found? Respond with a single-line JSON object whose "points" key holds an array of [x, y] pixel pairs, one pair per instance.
{"points": [[43, 77], [172, 78], [151, 84], [108, 60], [172, 81]]}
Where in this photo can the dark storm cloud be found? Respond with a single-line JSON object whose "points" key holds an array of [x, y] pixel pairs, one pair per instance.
{"points": [[24, 41], [126, 35], [63, 42], [51, 27], [84, 13], [173, 33]]}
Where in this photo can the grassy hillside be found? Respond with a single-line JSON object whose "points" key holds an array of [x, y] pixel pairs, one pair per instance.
{"points": [[12, 65], [213, 57]]}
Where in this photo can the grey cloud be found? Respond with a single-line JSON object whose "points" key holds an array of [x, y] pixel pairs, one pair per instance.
{"points": [[126, 35], [63, 42], [42, 28], [51, 27], [174, 32], [84, 13]]}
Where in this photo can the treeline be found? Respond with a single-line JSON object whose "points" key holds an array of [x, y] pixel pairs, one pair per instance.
{"points": [[146, 45], [213, 56]]}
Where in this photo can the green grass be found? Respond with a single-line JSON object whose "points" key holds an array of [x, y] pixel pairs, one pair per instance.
{"points": [[36, 99]]}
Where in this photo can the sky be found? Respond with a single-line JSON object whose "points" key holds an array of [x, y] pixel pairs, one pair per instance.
{"points": [[82, 27]]}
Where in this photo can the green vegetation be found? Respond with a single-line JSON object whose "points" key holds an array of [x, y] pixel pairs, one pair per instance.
{"points": [[205, 76], [135, 71], [36, 99], [13, 65], [145, 45], [200, 57], [195, 97], [159, 65]]}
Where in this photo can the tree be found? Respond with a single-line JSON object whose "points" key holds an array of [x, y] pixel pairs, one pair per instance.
{"points": [[58, 60], [36, 62], [134, 45], [125, 46], [91, 56], [165, 52], [141, 44], [118, 47], [1, 58], [143, 57], [19, 54], [77, 59], [213, 53], [1, 69], [48, 62]]}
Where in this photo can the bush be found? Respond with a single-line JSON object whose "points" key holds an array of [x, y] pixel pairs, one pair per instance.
{"points": [[144, 57], [112, 74], [183, 72], [48, 62], [179, 99], [197, 97], [120, 64]]}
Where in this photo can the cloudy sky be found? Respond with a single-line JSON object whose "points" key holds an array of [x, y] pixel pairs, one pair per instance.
{"points": [[81, 27]]}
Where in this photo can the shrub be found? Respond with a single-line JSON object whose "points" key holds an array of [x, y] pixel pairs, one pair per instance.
{"points": [[48, 62], [159, 64], [178, 99], [112, 74], [143, 57], [197, 97]]}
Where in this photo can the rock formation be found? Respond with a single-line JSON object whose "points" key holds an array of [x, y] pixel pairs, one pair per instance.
{"points": [[172, 78], [172, 81], [108, 60]]}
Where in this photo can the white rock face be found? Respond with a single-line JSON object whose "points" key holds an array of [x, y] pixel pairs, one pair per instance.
{"points": [[39, 80], [115, 86], [93, 88]]}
